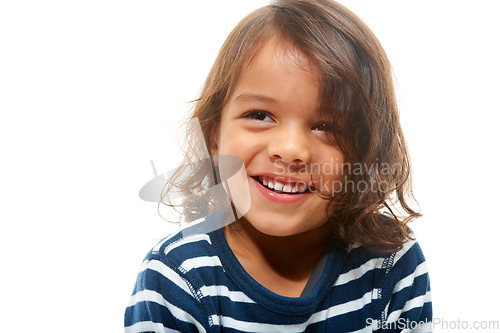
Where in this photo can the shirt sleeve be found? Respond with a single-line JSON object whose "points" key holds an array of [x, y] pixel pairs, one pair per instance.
{"points": [[163, 301], [407, 292]]}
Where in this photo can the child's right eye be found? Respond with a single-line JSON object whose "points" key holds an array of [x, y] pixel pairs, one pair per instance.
{"points": [[258, 115]]}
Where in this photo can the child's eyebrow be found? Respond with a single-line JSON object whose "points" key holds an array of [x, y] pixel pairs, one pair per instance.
{"points": [[247, 97]]}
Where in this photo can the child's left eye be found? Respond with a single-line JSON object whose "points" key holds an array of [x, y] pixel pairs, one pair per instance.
{"points": [[258, 115], [323, 127]]}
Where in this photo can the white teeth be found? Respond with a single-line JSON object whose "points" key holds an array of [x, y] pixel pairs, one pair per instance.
{"points": [[286, 187]]}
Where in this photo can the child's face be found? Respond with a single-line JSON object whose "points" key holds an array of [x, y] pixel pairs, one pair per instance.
{"points": [[272, 122]]}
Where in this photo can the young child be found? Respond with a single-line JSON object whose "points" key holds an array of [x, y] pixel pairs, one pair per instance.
{"points": [[301, 93]]}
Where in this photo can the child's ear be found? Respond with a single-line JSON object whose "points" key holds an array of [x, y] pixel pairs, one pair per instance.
{"points": [[214, 149], [214, 145]]}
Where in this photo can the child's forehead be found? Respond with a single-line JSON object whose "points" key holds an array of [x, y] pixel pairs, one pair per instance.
{"points": [[282, 52], [277, 58]]}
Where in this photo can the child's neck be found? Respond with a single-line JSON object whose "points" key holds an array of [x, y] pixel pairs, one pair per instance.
{"points": [[281, 264]]}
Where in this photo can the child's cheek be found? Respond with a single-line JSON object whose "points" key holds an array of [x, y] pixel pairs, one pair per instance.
{"points": [[235, 181], [328, 176]]}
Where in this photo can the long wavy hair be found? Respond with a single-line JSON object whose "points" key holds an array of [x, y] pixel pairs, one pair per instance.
{"points": [[356, 95]]}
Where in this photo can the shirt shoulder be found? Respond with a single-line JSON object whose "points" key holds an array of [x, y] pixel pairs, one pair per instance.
{"points": [[405, 289], [399, 283], [170, 287], [407, 258], [186, 249]]}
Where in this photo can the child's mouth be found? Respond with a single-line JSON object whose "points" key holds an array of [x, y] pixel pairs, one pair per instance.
{"points": [[280, 186]]}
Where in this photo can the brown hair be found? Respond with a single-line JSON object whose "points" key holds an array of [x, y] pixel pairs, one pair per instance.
{"points": [[357, 96]]}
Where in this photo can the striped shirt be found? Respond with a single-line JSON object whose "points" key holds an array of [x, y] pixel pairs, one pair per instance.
{"points": [[192, 282]]}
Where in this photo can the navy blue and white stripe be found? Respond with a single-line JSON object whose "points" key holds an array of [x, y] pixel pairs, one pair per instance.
{"points": [[192, 282]]}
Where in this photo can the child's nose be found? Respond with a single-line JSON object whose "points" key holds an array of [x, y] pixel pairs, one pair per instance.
{"points": [[290, 147]]}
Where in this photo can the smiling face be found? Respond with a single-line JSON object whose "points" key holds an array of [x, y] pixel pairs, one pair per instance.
{"points": [[272, 122]]}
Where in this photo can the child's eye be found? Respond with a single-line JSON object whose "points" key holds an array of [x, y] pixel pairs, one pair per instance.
{"points": [[323, 127], [258, 115]]}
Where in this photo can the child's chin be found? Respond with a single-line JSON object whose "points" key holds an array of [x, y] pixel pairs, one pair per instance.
{"points": [[276, 229]]}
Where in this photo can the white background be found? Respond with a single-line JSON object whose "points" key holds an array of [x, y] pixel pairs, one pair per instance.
{"points": [[91, 91]]}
